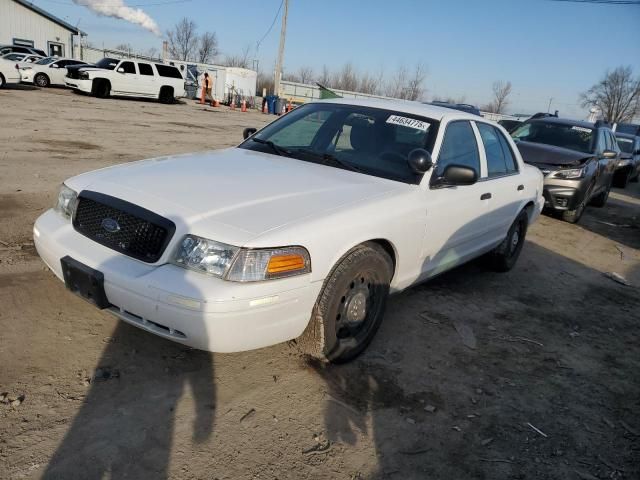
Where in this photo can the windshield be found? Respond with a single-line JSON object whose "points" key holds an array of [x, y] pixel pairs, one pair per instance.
{"points": [[625, 144], [572, 137], [46, 61], [13, 56], [629, 128], [107, 63], [368, 140]]}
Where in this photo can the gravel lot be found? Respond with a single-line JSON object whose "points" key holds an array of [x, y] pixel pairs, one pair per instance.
{"points": [[551, 388]]}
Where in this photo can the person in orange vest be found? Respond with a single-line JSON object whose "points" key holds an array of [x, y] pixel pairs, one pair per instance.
{"points": [[208, 86]]}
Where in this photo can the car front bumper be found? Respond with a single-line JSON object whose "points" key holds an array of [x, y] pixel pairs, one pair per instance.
{"points": [[79, 84], [191, 308], [26, 76], [564, 195]]}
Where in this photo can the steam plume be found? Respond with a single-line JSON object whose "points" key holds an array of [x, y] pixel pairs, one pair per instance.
{"points": [[118, 9]]}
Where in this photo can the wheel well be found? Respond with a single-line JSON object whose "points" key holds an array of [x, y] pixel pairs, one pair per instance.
{"points": [[529, 208], [388, 247], [102, 80], [2, 77], [166, 89]]}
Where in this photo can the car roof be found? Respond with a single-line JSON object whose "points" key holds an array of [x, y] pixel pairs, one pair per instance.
{"points": [[566, 121], [415, 108]]}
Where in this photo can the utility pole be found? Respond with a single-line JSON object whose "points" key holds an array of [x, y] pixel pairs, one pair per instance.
{"points": [[283, 34], [549, 107]]}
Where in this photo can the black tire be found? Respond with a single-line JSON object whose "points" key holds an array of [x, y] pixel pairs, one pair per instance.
{"points": [[635, 179], [2, 81], [101, 88], [41, 80], [504, 256], [166, 95], [600, 200], [350, 307]]}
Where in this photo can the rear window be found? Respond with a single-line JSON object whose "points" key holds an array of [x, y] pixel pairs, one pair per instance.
{"points": [[168, 71]]}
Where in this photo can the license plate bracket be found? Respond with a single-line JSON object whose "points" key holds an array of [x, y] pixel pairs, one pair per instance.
{"points": [[84, 281]]}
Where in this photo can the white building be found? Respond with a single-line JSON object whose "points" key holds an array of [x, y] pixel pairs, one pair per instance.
{"points": [[25, 24]]}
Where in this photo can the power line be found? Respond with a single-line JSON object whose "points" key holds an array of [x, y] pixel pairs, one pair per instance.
{"points": [[271, 27], [602, 2]]}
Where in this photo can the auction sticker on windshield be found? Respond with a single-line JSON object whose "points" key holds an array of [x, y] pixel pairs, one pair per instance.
{"points": [[408, 122]]}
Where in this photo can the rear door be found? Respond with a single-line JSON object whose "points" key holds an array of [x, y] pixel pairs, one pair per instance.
{"points": [[457, 217], [147, 82], [501, 181]]}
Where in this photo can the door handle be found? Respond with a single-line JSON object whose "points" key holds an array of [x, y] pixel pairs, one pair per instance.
{"points": [[485, 196], [520, 187]]}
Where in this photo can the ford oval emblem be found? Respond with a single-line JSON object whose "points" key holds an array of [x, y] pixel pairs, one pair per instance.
{"points": [[110, 225]]}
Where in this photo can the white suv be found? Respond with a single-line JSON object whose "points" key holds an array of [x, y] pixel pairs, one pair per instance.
{"points": [[128, 78]]}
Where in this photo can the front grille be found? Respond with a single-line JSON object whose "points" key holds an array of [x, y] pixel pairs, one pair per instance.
{"points": [[73, 74], [122, 226]]}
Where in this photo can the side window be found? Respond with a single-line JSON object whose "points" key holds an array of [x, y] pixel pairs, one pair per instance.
{"points": [[602, 142], [168, 71], [459, 147], [128, 67], [496, 162], [145, 69], [510, 160]]}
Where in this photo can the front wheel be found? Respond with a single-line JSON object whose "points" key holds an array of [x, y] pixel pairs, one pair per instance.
{"points": [[350, 307], [2, 81], [505, 255], [41, 80], [600, 200]]}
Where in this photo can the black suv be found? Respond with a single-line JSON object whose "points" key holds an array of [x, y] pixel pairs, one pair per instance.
{"points": [[577, 159], [4, 49]]}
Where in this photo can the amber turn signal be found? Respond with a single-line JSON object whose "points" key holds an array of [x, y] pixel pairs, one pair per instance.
{"points": [[285, 263]]}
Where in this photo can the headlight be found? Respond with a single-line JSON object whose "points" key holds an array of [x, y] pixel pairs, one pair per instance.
{"points": [[67, 201], [240, 264], [624, 163], [206, 256], [83, 75], [567, 173]]}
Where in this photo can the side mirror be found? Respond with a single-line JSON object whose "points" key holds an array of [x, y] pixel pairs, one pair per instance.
{"points": [[120, 70], [609, 154], [419, 160], [459, 175], [247, 132]]}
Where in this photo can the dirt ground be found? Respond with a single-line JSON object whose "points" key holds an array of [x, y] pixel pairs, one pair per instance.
{"points": [[549, 389]]}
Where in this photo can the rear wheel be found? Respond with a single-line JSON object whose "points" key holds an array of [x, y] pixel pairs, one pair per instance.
{"points": [[166, 95], [350, 307], [621, 179], [2, 81], [505, 255], [41, 80]]}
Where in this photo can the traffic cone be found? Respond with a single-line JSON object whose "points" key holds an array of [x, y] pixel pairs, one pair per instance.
{"points": [[264, 108], [244, 105], [202, 95], [289, 106], [233, 103], [216, 103]]}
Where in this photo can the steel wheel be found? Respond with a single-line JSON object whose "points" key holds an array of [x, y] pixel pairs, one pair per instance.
{"points": [[41, 80]]}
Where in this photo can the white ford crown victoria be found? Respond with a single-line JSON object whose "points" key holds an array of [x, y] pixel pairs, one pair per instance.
{"points": [[301, 232]]}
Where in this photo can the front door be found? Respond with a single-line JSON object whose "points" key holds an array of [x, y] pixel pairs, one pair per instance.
{"points": [[457, 217]]}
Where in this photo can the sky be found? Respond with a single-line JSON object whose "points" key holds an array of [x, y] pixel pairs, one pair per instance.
{"points": [[546, 49]]}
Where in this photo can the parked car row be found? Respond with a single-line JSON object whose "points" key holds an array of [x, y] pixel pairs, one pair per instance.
{"points": [[108, 77], [580, 161]]}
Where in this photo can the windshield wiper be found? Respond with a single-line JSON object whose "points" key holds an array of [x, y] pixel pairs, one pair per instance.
{"points": [[277, 149], [327, 157]]}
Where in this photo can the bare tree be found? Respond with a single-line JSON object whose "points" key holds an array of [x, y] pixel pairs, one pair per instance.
{"points": [[347, 78], [152, 52], [415, 89], [397, 83], [325, 76], [617, 95], [207, 47], [501, 92], [183, 40], [305, 74], [124, 47], [241, 60]]}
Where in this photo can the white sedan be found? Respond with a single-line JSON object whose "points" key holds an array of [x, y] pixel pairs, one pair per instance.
{"points": [[47, 71], [9, 72], [300, 232]]}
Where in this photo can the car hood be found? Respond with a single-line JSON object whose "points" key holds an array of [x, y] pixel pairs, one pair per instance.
{"points": [[233, 195], [537, 153]]}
